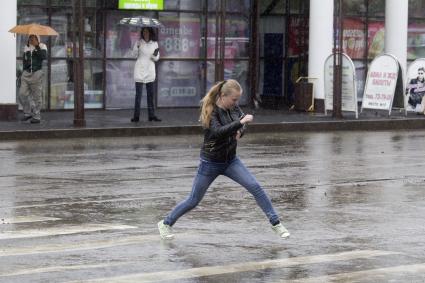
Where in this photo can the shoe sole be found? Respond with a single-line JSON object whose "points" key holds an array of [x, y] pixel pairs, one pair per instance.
{"points": [[169, 237], [285, 235]]}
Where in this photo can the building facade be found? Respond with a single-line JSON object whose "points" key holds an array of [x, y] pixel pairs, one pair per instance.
{"points": [[265, 45]]}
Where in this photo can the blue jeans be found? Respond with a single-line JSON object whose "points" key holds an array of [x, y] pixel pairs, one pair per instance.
{"points": [[138, 99], [207, 172]]}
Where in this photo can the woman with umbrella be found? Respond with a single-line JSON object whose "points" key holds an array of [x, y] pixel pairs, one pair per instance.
{"points": [[147, 51], [30, 92]]}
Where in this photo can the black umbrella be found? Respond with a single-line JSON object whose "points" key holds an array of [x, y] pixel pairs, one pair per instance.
{"points": [[141, 21]]}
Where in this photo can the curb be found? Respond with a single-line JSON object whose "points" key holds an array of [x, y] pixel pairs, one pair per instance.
{"points": [[313, 126]]}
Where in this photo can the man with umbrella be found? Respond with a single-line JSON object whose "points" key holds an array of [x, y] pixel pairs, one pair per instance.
{"points": [[31, 81], [30, 93]]}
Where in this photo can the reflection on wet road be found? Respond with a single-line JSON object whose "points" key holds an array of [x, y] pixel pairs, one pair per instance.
{"points": [[85, 210]]}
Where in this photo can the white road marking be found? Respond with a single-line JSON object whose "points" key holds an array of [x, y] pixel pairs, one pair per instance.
{"points": [[65, 230], [240, 267], [26, 219], [82, 202], [81, 246], [371, 274], [61, 268]]}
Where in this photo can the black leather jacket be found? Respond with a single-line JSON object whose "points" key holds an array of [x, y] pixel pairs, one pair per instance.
{"points": [[220, 138]]}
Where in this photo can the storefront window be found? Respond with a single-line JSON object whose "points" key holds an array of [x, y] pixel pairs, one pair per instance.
{"points": [[272, 7], [93, 35], [183, 46], [376, 8], [120, 89], [194, 5], [299, 6], [179, 83], [62, 85], [121, 39], [271, 26], [237, 37], [354, 7], [354, 44], [86, 3], [239, 6], [416, 8], [62, 44], [32, 2], [179, 38], [376, 38], [416, 40], [61, 3], [210, 74], [360, 74]]}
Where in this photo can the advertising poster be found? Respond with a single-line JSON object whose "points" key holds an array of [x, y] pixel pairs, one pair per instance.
{"points": [[179, 82], [298, 36], [180, 37], [354, 38], [415, 86], [376, 39], [354, 43], [349, 91], [381, 83]]}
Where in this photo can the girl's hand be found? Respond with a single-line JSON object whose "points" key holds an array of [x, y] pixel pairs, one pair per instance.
{"points": [[247, 119], [238, 135]]}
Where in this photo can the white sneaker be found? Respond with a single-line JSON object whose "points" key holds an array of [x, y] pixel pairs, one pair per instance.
{"points": [[165, 230], [281, 230]]}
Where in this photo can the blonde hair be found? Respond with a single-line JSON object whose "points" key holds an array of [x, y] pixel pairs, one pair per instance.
{"points": [[209, 100]]}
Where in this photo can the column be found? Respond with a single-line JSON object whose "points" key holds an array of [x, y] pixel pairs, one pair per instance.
{"points": [[320, 42], [396, 21], [8, 106]]}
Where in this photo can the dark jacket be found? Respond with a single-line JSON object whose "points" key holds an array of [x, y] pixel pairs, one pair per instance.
{"points": [[33, 57], [220, 138]]}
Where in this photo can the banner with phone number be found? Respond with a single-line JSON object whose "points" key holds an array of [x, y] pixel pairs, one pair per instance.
{"points": [[179, 38]]}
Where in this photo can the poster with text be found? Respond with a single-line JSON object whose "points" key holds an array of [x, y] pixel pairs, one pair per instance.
{"points": [[179, 38], [381, 83]]}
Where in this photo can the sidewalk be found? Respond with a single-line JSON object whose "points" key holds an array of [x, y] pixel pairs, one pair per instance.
{"points": [[110, 123]]}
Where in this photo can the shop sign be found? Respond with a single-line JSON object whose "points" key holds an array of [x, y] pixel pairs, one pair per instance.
{"points": [[381, 83], [349, 88], [141, 4]]}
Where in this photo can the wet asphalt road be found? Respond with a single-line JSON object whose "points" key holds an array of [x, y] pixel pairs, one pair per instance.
{"points": [[85, 210]]}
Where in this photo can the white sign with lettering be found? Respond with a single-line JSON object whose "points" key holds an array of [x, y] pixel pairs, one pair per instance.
{"points": [[381, 83], [348, 88]]}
